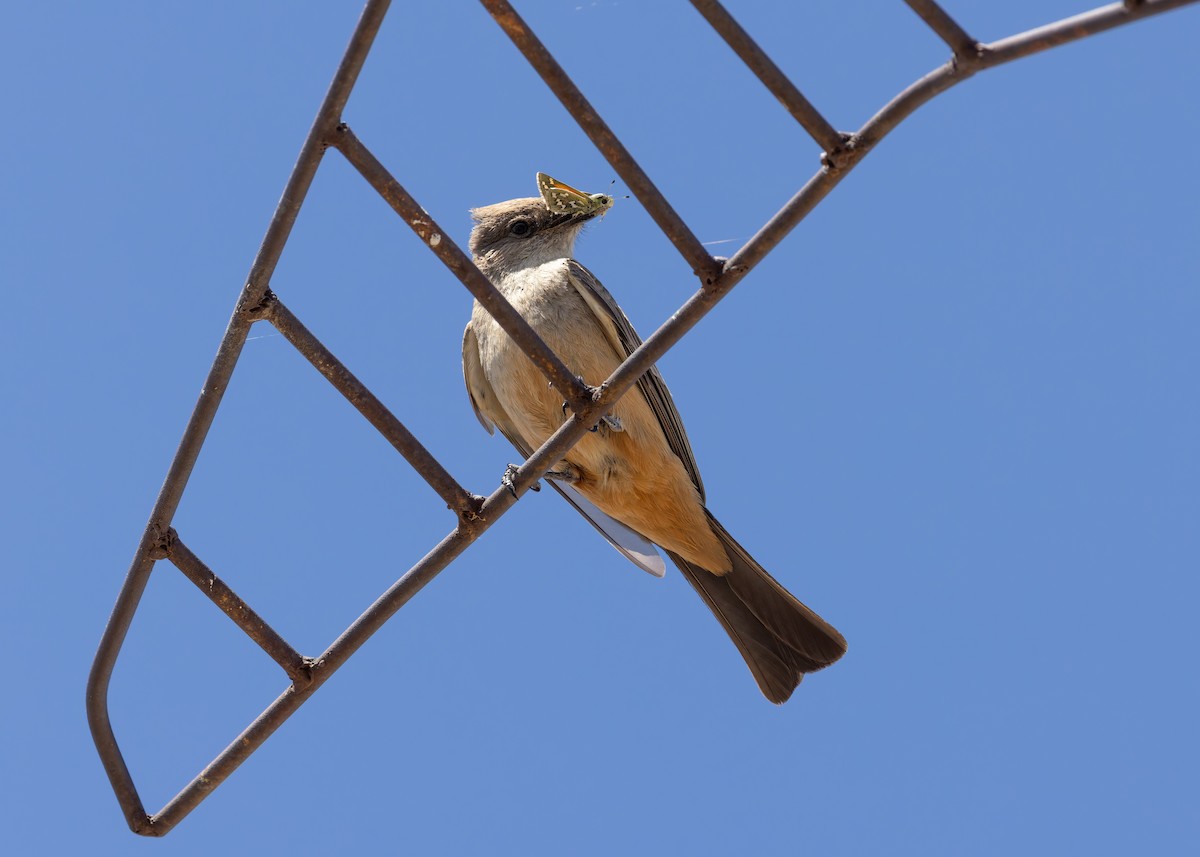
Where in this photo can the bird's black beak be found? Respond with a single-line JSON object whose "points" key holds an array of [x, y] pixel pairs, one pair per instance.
{"points": [[571, 218]]}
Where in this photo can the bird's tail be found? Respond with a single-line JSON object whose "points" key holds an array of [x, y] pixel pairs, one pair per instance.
{"points": [[779, 637]]}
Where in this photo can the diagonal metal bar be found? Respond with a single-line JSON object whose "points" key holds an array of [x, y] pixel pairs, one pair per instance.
{"points": [[1077, 27], [604, 139], [772, 77], [573, 390], [201, 420], [735, 269], [239, 611], [917, 94], [286, 704], [946, 27], [255, 302], [371, 620], [375, 412], [340, 651]]}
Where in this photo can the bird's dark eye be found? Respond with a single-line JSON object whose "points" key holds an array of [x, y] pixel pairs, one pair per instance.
{"points": [[520, 228]]}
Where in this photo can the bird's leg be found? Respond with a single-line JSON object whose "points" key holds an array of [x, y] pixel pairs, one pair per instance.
{"points": [[567, 472], [507, 480], [608, 421]]}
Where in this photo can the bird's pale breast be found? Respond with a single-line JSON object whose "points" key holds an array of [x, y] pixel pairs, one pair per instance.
{"points": [[631, 475]]}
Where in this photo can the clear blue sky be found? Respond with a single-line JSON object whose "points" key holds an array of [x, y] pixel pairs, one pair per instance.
{"points": [[956, 412]]}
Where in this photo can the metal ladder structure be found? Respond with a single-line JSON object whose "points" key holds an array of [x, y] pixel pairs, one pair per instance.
{"points": [[473, 514]]}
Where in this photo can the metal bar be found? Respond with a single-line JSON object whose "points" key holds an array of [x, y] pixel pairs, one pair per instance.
{"points": [[899, 108], [328, 117], [239, 611], [375, 412], [1076, 27], [656, 205], [946, 27], [371, 620], [564, 380], [322, 668], [917, 94], [255, 302], [772, 77], [202, 417]]}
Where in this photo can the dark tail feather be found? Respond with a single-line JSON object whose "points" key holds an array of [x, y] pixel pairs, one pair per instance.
{"points": [[779, 637]]}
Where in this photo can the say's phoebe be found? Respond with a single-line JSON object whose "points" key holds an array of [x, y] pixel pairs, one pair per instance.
{"points": [[634, 477]]}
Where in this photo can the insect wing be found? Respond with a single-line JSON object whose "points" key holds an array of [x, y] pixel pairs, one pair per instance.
{"points": [[561, 198]]}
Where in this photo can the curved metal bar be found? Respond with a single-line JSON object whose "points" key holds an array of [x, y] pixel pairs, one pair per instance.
{"points": [[903, 105], [206, 408], [307, 675]]}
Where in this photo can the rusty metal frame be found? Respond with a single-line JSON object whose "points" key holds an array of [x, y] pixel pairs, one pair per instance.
{"points": [[474, 513]]}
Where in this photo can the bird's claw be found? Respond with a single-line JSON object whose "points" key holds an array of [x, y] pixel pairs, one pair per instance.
{"points": [[507, 480], [567, 472], [609, 422], [566, 406]]}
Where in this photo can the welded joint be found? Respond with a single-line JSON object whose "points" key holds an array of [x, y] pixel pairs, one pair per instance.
{"points": [[338, 135], [300, 673], [468, 507], [164, 541], [470, 513], [304, 674], [846, 157], [729, 269], [330, 140], [261, 309], [966, 64], [840, 157], [712, 272]]}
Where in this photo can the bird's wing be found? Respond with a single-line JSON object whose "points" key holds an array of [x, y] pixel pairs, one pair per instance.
{"points": [[633, 545], [491, 415], [624, 340], [475, 379]]}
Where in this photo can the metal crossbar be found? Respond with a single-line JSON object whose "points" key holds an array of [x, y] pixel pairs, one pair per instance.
{"points": [[473, 513]]}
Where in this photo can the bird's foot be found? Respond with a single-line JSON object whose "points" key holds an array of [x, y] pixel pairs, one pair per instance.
{"points": [[608, 421], [507, 480], [611, 422], [567, 472]]}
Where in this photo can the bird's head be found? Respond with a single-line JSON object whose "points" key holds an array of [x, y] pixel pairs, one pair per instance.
{"points": [[521, 233]]}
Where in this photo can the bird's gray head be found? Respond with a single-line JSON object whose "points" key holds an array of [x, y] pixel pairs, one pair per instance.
{"points": [[522, 233]]}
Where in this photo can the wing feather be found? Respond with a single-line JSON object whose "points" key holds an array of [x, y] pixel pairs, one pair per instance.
{"points": [[491, 414], [624, 340], [474, 376]]}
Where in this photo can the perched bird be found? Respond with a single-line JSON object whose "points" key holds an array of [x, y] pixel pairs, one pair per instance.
{"points": [[634, 477]]}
